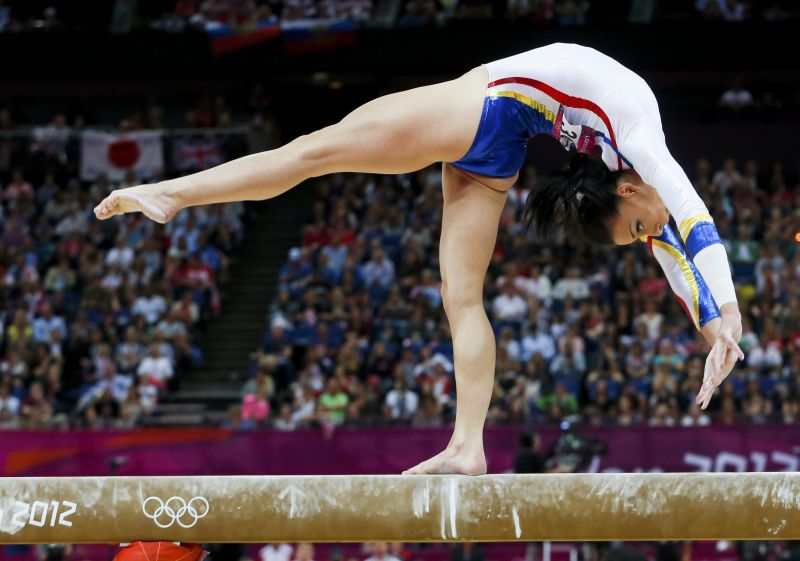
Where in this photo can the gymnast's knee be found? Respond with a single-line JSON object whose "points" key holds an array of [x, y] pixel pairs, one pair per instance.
{"points": [[316, 151], [460, 297]]}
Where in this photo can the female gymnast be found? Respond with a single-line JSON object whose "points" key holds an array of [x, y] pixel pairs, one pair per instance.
{"points": [[479, 125]]}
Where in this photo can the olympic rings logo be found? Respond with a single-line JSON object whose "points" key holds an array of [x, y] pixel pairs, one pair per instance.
{"points": [[175, 510]]}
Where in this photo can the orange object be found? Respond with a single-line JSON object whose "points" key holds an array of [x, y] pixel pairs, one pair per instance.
{"points": [[160, 551]]}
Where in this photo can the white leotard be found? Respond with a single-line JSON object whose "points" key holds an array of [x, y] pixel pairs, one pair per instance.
{"points": [[596, 100]]}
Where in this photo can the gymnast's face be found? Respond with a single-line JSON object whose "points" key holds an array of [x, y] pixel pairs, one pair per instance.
{"points": [[641, 212]]}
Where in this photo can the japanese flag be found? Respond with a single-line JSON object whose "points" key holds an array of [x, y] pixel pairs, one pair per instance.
{"points": [[116, 154]]}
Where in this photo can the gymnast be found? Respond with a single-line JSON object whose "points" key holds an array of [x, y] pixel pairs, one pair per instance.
{"points": [[622, 185]]}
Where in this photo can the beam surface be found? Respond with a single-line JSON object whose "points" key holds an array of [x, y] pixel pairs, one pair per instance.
{"points": [[576, 507]]}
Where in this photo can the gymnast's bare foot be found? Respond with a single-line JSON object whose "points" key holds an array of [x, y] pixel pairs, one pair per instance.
{"points": [[452, 460], [152, 200]]}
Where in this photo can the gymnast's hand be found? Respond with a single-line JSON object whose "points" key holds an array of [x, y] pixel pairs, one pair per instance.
{"points": [[151, 200], [724, 353]]}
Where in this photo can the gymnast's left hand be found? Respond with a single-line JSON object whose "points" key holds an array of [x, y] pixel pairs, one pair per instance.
{"points": [[724, 353]]}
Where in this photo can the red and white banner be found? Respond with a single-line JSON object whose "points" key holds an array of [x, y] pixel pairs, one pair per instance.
{"points": [[117, 154]]}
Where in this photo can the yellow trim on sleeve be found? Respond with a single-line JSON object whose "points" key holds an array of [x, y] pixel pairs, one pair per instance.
{"points": [[686, 269], [687, 225]]}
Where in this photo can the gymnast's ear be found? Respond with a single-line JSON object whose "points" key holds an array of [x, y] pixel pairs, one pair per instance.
{"points": [[627, 189]]}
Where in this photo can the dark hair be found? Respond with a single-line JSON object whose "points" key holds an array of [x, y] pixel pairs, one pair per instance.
{"points": [[526, 439], [581, 200]]}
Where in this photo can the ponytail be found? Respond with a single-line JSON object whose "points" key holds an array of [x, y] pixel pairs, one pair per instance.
{"points": [[580, 200]]}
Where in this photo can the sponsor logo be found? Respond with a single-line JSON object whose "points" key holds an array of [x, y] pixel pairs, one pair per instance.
{"points": [[175, 510]]}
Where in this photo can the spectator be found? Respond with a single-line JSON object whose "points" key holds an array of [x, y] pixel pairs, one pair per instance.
{"points": [[155, 368], [8, 403], [379, 270], [474, 9], [18, 190], [571, 285], [533, 11], [535, 342], [20, 333], [558, 404], [662, 417], [333, 403], [276, 552], [304, 552], [380, 552], [528, 459], [537, 284], [46, 324], [353, 10], [295, 274], [467, 551], [419, 13], [724, 180], [736, 99], [401, 402], [255, 406], [744, 253], [150, 305], [571, 12], [120, 254], [695, 417], [36, 412], [285, 420], [727, 10], [509, 305]]}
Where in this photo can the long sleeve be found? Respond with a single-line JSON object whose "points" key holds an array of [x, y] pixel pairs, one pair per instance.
{"points": [[644, 146], [685, 280]]}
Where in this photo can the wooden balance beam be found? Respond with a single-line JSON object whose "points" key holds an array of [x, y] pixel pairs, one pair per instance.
{"points": [[577, 507]]}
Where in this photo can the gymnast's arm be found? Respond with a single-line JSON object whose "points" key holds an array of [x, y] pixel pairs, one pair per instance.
{"points": [[686, 282], [643, 143], [655, 165]]}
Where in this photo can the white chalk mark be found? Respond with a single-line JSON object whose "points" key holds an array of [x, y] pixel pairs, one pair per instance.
{"points": [[291, 491], [427, 497], [418, 501], [517, 529], [778, 528], [453, 506]]}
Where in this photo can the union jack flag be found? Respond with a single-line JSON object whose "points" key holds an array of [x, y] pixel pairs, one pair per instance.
{"points": [[193, 154]]}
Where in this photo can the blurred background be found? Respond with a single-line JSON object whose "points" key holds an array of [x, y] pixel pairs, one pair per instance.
{"points": [[305, 335]]}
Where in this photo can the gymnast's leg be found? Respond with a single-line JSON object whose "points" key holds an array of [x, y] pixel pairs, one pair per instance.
{"points": [[469, 232], [397, 133]]}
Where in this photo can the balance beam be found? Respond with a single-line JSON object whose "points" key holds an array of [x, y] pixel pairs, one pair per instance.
{"points": [[576, 507]]}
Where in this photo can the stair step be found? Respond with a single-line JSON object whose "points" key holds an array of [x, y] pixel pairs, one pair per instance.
{"points": [[216, 417], [222, 360], [167, 408], [231, 339], [206, 395], [175, 420]]}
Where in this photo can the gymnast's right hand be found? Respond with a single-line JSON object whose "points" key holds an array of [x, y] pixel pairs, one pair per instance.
{"points": [[148, 199]]}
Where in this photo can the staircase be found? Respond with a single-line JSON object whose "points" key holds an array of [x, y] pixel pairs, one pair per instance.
{"points": [[206, 392]]}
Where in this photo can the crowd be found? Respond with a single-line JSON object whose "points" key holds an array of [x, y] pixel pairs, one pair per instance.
{"points": [[205, 14], [97, 319], [357, 333], [208, 15]]}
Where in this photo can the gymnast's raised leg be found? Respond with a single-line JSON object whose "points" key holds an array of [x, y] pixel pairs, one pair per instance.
{"points": [[397, 133]]}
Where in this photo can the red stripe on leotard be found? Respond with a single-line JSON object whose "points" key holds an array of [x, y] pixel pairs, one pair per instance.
{"points": [[565, 99]]}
